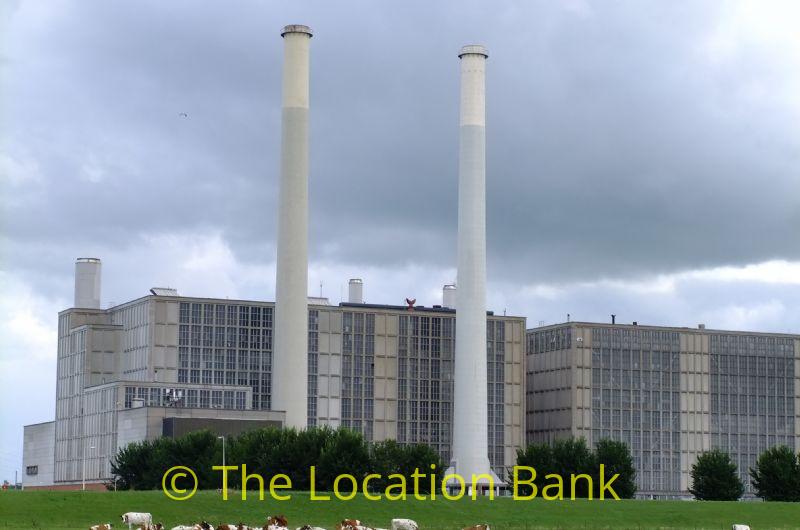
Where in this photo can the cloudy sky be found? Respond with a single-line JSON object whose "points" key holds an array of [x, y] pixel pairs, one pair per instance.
{"points": [[643, 160]]}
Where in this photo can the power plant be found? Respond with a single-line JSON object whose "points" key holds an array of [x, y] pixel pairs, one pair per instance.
{"points": [[473, 385]]}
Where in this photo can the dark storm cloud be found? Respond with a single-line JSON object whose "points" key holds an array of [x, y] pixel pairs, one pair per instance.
{"points": [[615, 147]]}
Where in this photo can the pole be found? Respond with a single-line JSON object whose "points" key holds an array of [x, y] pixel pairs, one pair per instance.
{"points": [[83, 472], [223, 449]]}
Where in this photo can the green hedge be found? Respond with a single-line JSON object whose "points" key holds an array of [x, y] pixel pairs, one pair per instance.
{"points": [[267, 452], [572, 456]]}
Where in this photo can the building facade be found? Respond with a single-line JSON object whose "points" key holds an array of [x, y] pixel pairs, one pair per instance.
{"points": [[669, 393], [162, 363], [38, 447]]}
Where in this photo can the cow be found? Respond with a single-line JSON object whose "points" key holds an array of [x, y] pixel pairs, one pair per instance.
{"points": [[239, 526], [106, 526], [477, 527], [404, 524], [137, 518], [309, 527], [354, 524], [276, 522], [348, 524], [740, 527]]}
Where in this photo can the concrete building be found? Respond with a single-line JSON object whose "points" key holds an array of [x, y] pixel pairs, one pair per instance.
{"points": [[163, 365], [128, 357], [38, 446], [669, 393]]}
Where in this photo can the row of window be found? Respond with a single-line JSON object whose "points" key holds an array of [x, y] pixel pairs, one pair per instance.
{"points": [[185, 397], [225, 315], [221, 337]]}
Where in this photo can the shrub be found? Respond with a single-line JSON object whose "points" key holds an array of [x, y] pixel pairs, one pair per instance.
{"points": [[714, 477], [616, 457], [776, 476]]}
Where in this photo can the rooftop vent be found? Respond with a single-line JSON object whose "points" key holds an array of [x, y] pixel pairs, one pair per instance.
{"points": [[355, 291], [164, 291], [318, 300]]}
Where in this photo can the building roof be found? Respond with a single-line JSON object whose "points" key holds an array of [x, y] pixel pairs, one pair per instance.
{"points": [[700, 329]]}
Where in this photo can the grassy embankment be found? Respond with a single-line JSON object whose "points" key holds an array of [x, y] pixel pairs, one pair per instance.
{"points": [[78, 510]]}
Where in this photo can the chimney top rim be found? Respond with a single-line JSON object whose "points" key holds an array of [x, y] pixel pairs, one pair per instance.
{"points": [[473, 49], [296, 28]]}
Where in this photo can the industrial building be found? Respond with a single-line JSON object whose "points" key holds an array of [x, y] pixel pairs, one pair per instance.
{"points": [[163, 365], [474, 385], [669, 393]]}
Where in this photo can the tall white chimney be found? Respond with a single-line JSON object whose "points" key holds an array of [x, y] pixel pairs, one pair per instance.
{"points": [[355, 294], [470, 432], [87, 283], [449, 296], [290, 351]]}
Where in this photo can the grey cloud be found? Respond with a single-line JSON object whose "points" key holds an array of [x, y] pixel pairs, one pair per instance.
{"points": [[615, 149]]}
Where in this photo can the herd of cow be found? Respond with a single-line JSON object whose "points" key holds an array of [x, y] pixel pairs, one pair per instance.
{"points": [[144, 521]]}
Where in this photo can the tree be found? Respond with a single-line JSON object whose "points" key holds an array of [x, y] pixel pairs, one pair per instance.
{"points": [[776, 476], [714, 477], [565, 458], [539, 456], [616, 456], [344, 452], [572, 457], [390, 458], [128, 466]]}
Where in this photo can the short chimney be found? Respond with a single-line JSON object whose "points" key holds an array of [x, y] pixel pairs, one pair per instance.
{"points": [[87, 283], [613, 319], [355, 291], [449, 296], [701, 326]]}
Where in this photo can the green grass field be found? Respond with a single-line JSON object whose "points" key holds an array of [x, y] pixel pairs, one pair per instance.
{"points": [[78, 510]]}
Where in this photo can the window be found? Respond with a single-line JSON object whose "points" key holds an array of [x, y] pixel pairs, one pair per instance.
{"points": [[32, 470]]}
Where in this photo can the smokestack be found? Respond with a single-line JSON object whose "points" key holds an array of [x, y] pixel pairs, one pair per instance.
{"points": [[449, 296], [470, 432], [87, 283], [356, 291], [290, 353]]}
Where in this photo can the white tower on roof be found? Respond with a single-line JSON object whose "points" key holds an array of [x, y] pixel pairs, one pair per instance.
{"points": [[87, 283]]}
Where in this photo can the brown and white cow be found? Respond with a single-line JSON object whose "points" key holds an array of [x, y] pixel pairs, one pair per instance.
{"points": [[348, 524]]}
